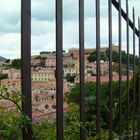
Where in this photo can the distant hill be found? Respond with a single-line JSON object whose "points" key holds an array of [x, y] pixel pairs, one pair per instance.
{"points": [[2, 58]]}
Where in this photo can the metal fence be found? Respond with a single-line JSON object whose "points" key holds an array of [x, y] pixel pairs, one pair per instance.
{"points": [[26, 66]]}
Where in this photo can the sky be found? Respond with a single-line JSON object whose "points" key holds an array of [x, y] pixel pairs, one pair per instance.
{"points": [[43, 25]]}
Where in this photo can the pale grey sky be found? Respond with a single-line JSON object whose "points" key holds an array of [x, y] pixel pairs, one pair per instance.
{"points": [[43, 25]]}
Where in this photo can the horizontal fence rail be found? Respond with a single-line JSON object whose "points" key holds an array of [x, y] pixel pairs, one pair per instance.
{"points": [[26, 68]]}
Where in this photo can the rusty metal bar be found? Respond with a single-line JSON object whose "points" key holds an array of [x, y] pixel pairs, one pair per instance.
{"points": [[98, 98], [139, 82], [120, 70], [128, 66], [59, 70], [134, 82], [82, 73], [116, 5], [26, 63], [110, 69]]}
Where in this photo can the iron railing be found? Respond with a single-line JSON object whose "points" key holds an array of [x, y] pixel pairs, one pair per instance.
{"points": [[26, 61], [26, 66]]}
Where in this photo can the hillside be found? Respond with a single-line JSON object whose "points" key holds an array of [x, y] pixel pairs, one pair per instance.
{"points": [[2, 58]]}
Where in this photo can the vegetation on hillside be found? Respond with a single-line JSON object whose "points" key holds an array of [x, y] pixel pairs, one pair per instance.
{"points": [[46, 129], [73, 98], [16, 63], [115, 57], [92, 57], [70, 78], [2, 58], [3, 76]]}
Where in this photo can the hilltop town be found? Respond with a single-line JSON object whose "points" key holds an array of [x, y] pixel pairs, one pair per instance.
{"points": [[43, 77]]}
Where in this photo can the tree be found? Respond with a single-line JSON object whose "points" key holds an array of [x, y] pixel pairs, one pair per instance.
{"points": [[16, 63], [72, 55], [115, 55], [45, 52], [90, 102], [64, 51], [103, 56], [7, 61], [38, 57], [72, 123], [13, 121], [53, 52], [44, 130], [3, 76], [92, 57], [70, 78], [115, 58]]}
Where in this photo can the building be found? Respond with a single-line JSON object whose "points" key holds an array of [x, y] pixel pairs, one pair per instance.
{"points": [[12, 73], [47, 75], [50, 61]]}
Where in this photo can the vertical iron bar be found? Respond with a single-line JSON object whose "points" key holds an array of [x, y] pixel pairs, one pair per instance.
{"points": [[110, 68], [139, 82], [98, 98], [128, 65], [134, 73], [81, 56], [59, 69], [120, 72], [26, 62]]}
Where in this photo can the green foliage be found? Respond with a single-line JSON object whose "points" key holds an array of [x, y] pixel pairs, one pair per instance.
{"points": [[41, 58], [115, 68], [90, 103], [90, 106], [38, 57], [72, 124], [72, 55], [45, 52], [13, 120], [65, 65], [103, 135], [44, 130], [7, 61], [92, 57], [3, 76], [70, 78], [115, 55], [16, 63], [115, 58], [11, 123]]}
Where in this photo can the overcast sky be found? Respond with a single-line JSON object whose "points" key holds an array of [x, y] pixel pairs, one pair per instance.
{"points": [[43, 25]]}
